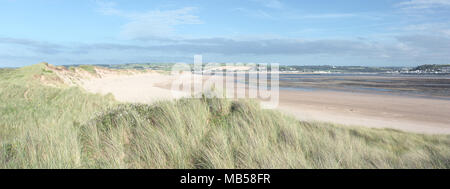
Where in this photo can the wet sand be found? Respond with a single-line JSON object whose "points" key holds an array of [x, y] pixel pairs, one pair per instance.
{"points": [[431, 85], [422, 115]]}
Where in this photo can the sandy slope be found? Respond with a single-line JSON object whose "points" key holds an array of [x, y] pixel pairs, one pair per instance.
{"points": [[372, 110]]}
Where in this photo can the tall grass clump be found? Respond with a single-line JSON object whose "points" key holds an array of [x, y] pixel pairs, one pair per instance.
{"points": [[217, 133], [39, 124]]}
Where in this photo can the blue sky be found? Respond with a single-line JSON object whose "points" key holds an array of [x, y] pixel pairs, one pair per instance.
{"points": [[289, 32]]}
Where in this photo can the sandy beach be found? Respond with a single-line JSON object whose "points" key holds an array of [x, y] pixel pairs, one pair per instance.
{"points": [[422, 115], [414, 114], [137, 88]]}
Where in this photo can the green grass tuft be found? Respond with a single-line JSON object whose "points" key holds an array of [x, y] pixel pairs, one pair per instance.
{"points": [[88, 68]]}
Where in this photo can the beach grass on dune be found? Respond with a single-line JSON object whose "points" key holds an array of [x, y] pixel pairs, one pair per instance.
{"points": [[55, 127], [216, 133], [37, 124]]}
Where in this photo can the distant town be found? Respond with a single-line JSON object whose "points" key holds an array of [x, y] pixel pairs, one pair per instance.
{"points": [[434, 68], [423, 69]]}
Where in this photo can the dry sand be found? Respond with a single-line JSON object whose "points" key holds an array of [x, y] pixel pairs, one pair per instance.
{"points": [[138, 88], [405, 113]]}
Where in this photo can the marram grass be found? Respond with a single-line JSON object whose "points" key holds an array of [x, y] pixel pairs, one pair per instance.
{"points": [[215, 133], [51, 127]]}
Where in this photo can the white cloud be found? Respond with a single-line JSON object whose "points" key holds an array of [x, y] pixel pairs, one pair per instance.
{"points": [[158, 23], [151, 24], [33, 45], [107, 8], [427, 18], [324, 16], [424, 4], [274, 4], [429, 28], [255, 13], [293, 16]]}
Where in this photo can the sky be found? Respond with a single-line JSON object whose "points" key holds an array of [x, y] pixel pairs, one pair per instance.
{"points": [[289, 32]]}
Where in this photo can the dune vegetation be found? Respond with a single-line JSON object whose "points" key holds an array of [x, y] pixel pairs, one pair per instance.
{"points": [[59, 126]]}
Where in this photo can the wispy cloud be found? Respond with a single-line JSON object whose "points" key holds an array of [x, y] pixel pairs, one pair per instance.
{"points": [[424, 4], [151, 24], [36, 46], [255, 13], [327, 16], [425, 18], [274, 4], [434, 28], [405, 48], [158, 23], [428, 47], [107, 8]]}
